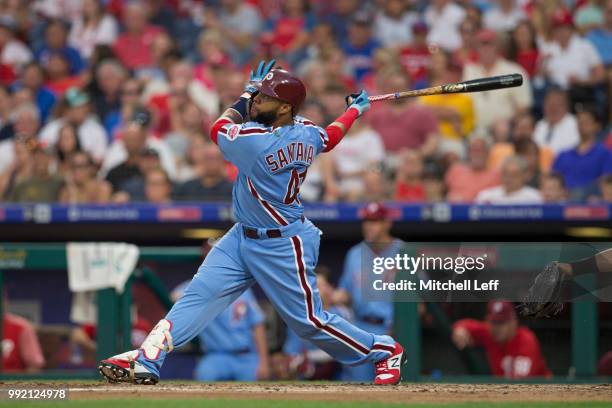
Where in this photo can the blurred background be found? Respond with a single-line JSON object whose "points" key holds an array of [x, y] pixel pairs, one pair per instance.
{"points": [[528, 164]]}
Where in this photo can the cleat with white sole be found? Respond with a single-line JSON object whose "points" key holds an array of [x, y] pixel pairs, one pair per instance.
{"points": [[125, 367]]}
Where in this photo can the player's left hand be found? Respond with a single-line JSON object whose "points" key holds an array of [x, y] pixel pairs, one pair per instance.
{"points": [[358, 101], [263, 372], [259, 74]]}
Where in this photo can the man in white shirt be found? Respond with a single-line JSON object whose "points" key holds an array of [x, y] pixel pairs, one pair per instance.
{"points": [[505, 16], [558, 129], [12, 51], [571, 60], [501, 104], [513, 189], [444, 17], [91, 133]]}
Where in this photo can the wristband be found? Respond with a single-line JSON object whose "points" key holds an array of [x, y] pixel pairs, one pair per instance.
{"points": [[241, 106]]}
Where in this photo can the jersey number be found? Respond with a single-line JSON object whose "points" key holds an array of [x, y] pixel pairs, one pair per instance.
{"points": [[293, 188]]}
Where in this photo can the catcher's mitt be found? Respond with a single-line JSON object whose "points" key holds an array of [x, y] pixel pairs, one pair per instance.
{"points": [[543, 297]]}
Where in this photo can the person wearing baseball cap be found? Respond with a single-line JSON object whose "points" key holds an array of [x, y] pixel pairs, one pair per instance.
{"points": [[513, 351], [375, 317]]}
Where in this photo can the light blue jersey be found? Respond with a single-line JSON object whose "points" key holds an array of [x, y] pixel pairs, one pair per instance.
{"points": [[232, 330], [351, 281], [272, 165]]}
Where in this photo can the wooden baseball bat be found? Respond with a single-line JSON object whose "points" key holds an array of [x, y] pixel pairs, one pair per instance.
{"points": [[474, 85]]}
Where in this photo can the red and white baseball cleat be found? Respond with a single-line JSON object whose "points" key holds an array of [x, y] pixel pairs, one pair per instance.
{"points": [[389, 370], [125, 367]]}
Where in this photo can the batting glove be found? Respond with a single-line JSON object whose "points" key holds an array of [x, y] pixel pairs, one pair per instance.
{"points": [[258, 75], [358, 101]]}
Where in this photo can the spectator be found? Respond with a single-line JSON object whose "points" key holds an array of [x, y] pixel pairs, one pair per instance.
{"points": [[32, 77], [82, 186], [239, 22], [465, 180], [415, 57], [513, 188], [530, 151], [523, 49], [131, 91], [94, 27], [571, 60], [340, 17], [67, 145], [56, 42], [392, 24], [409, 186], [375, 186], [212, 56], [605, 188], [359, 47], [132, 186], [290, 32], [558, 129], [500, 104], [190, 123], [24, 125], [77, 112], [41, 186], [14, 54], [444, 18], [139, 128], [158, 187], [455, 112], [375, 317], [212, 185], [513, 351], [336, 70], [404, 123], [504, 16], [106, 89], [601, 37], [468, 52], [19, 168], [360, 149], [584, 164], [133, 46], [589, 15], [552, 188], [58, 75], [384, 58], [20, 345]]}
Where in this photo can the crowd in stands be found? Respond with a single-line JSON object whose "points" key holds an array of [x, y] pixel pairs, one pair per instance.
{"points": [[111, 100]]}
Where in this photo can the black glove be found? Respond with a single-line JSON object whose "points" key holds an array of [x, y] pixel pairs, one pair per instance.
{"points": [[543, 297]]}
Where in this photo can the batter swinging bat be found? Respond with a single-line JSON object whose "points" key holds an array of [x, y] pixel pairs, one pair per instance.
{"points": [[474, 85]]}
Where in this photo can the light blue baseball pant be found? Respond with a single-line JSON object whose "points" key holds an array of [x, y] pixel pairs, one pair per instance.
{"points": [[219, 366], [284, 269], [363, 372]]}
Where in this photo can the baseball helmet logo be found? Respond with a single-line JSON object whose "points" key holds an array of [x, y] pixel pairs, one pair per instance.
{"points": [[269, 76]]}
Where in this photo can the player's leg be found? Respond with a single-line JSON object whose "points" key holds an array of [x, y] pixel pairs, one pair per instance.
{"points": [[219, 281], [213, 367], [284, 268]]}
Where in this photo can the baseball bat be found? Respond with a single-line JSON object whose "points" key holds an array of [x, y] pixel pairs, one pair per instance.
{"points": [[474, 85]]}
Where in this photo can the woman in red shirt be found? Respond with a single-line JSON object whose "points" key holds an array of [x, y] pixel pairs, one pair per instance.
{"points": [[523, 48]]}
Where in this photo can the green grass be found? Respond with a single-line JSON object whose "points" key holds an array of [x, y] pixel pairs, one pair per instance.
{"points": [[215, 403]]}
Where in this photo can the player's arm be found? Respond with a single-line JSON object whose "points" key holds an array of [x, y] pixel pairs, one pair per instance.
{"points": [[468, 332], [358, 104], [600, 262], [237, 113], [259, 336]]}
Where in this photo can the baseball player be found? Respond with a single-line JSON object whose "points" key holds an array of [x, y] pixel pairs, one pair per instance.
{"points": [[234, 342], [272, 242], [375, 317], [513, 351]]}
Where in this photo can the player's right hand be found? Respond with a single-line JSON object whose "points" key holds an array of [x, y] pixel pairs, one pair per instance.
{"points": [[258, 75], [461, 337], [358, 101]]}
